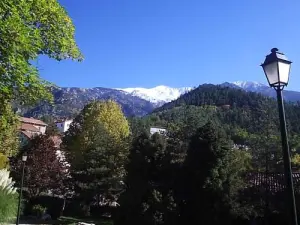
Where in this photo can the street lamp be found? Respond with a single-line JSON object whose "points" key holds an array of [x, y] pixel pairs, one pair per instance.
{"points": [[24, 159], [277, 70]]}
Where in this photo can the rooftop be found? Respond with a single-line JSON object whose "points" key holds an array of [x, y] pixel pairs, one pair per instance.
{"points": [[32, 121], [30, 135], [29, 127]]}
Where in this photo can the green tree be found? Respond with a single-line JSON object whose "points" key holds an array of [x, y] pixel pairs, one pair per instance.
{"points": [[211, 179], [151, 172], [29, 29], [96, 146], [4, 162], [9, 125], [52, 130]]}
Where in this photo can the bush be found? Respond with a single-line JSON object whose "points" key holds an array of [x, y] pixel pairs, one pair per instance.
{"points": [[8, 197], [73, 208], [38, 210], [4, 162], [8, 206], [53, 205]]}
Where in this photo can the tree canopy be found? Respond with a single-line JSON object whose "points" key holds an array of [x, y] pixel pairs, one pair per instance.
{"points": [[96, 145], [45, 171], [29, 29]]}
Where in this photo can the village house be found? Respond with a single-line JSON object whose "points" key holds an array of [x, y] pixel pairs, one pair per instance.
{"points": [[63, 125], [161, 131], [29, 128]]}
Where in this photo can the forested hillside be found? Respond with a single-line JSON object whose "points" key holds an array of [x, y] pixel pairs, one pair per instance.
{"points": [[231, 107], [248, 119]]}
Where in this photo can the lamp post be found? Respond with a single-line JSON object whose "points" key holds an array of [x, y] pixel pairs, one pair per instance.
{"points": [[277, 69], [24, 159]]}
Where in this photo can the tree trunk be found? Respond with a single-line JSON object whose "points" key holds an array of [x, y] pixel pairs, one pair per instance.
{"points": [[87, 209], [63, 207], [98, 200]]}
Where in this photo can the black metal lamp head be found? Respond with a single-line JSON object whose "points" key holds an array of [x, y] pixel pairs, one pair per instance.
{"points": [[277, 69]]}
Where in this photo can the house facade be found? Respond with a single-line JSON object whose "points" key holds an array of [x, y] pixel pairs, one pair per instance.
{"points": [[63, 125], [30, 128], [161, 131]]}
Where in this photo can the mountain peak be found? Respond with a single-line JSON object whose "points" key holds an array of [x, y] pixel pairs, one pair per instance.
{"points": [[158, 95], [248, 84]]}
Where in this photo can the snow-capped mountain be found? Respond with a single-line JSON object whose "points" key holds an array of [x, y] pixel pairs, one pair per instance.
{"points": [[250, 85], [157, 95], [263, 89]]}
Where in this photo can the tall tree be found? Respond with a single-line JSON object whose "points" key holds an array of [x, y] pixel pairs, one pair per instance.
{"points": [[211, 179], [29, 29], [96, 147], [149, 197], [44, 169], [9, 125]]}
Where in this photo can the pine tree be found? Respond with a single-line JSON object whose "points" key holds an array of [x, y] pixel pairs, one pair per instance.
{"points": [[210, 180], [149, 196]]}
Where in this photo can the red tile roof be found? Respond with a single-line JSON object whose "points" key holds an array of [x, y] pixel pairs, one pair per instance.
{"points": [[28, 134], [29, 127], [32, 121], [274, 181]]}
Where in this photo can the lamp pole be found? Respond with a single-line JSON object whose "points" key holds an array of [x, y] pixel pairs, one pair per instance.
{"points": [[287, 159], [24, 158], [277, 69]]}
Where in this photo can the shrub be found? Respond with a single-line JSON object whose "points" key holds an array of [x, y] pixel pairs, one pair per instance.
{"points": [[53, 205], [38, 210], [4, 162], [8, 197], [8, 206]]}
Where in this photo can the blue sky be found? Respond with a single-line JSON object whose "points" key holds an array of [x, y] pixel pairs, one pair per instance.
{"points": [[144, 43]]}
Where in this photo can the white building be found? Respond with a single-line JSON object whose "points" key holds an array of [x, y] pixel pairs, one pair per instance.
{"points": [[154, 130], [63, 125]]}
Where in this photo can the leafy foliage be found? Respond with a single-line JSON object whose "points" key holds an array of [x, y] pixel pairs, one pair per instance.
{"points": [[29, 29], [9, 124], [4, 162], [96, 147], [211, 179], [44, 169], [8, 206], [149, 196], [166, 186], [38, 210]]}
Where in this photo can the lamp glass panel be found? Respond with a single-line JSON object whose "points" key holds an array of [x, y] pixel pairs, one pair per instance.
{"points": [[271, 71], [284, 70]]}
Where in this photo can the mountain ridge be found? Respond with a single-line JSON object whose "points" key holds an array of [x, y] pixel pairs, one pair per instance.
{"points": [[68, 101], [158, 94], [162, 94]]}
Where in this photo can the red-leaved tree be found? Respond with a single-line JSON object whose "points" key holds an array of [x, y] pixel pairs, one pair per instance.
{"points": [[45, 171]]}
